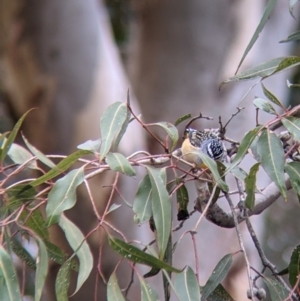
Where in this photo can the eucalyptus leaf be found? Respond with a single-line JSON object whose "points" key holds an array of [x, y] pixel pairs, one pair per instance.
{"points": [[62, 281], [292, 124], [142, 203], [91, 145], [111, 123], [63, 195], [118, 162], [217, 276], [295, 36], [113, 290], [293, 170], [161, 208], [147, 292], [277, 291], [134, 254], [271, 96], [171, 131], [271, 153], [250, 185], [264, 105], [294, 267], [187, 287], [20, 155], [182, 197], [182, 118], [79, 245], [9, 275]]}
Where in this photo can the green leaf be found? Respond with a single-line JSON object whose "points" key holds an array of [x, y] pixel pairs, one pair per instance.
{"points": [[213, 167], [142, 203], [118, 162], [271, 153], [91, 145], [61, 167], [22, 253], [244, 146], [286, 63], [238, 172], [182, 197], [187, 287], [264, 105], [10, 277], [36, 222], [136, 255], [113, 290], [147, 292], [113, 207], [19, 194], [261, 71], [58, 256], [250, 185], [39, 154], [292, 124], [217, 276], [62, 281], [79, 245], [20, 155], [271, 96], [171, 131], [41, 269], [220, 294], [294, 266], [161, 208], [295, 36], [182, 118], [11, 138], [276, 289], [111, 123], [268, 10], [63, 195], [292, 4], [293, 171]]}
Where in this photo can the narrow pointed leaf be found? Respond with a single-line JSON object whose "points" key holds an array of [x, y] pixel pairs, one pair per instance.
{"points": [[118, 162], [80, 247], [62, 166], [295, 36], [286, 63], [292, 124], [111, 124], [113, 290], [182, 197], [250, 185], [123, 129], [187, 287], [113, 207], [268, 10], [271, 153], [134, 254], [22, 253], [271, 96], [41, 269], [161, 207], [62, 281], [276, 289], [20, 155], [220, 294], [182, 118], [63, 195], [11, 138], [217, 276], [147, 292], [244, 146], [36, 222], [142, 203], [260, 71], [10, 277], [293, 170], [213, 167], [91, 145], [40, 156], [294, 266], [264, 105], [171, 131]]}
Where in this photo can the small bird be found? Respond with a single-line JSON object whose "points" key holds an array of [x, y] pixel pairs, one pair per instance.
{"points": [[206, 141]]}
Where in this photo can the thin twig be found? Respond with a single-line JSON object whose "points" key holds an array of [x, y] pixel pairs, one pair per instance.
{"points": [[239, 236]]}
